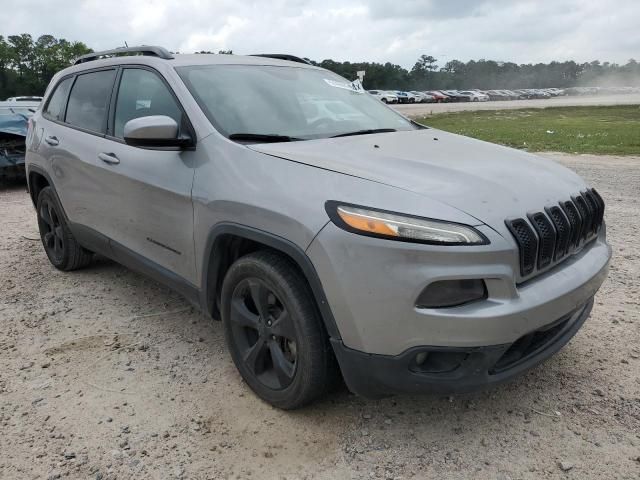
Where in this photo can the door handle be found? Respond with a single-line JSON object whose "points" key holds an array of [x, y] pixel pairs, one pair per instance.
{"points": [[52, 140], [109, 158]]}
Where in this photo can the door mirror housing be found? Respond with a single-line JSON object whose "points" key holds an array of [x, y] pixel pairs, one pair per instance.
{"points": [[154, 131]]}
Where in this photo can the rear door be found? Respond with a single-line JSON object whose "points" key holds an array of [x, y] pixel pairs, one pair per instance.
{"points": [[74, 119], [146, 193]]}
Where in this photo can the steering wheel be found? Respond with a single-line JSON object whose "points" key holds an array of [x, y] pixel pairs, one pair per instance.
{"points": [[321, 123]]}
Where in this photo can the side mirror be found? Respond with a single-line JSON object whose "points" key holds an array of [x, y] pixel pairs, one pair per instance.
{"points": [[153, 131]]}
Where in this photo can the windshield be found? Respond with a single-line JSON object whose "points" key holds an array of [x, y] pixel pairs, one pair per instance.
{"points": [[288, 102]]}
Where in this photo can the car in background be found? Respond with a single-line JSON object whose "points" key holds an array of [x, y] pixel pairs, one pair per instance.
{"points": [[13, 132], [422, 97], [31, 99], [476, 95], [457, 96], [384, 96], [497, 95], [554, 92], [512, 95], [438, 96], [403, 97]]}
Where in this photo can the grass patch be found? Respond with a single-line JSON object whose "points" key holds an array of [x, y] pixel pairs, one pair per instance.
{"points": [[613, 130]]}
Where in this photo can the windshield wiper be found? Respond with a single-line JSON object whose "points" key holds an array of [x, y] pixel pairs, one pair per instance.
{"points": [[365, 132], [262, 137]]}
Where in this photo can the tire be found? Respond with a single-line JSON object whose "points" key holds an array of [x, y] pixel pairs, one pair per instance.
{"points": [[384, 100], [62, 249], [274, 331]]}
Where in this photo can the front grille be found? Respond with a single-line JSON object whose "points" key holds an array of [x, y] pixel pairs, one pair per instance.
{"points": [[546, 237], [557, 232]]}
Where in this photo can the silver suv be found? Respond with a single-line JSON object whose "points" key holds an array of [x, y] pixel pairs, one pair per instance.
{"points": [[332, 236]]}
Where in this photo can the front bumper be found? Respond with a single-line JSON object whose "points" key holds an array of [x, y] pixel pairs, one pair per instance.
{"points": [[372, 286], [455, 370]]}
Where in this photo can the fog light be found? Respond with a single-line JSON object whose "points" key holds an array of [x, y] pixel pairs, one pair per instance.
{"points": [[451, 293]]}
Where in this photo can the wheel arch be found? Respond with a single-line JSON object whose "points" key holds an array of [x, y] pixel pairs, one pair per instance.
{"points": [[228, 241], [37, 179]]}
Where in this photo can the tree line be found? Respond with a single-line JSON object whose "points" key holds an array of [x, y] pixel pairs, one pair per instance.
{"points": [[27, 65], [426, 74]]}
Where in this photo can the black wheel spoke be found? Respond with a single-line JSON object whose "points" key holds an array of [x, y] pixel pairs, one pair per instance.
{"points": [[283, 368], [49, 238], [254, 357], [57, 248], [46, 217], [283, 326], [241, 316], [260, 297], [52, 216]]}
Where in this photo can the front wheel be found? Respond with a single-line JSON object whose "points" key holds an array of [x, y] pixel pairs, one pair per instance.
{"points": [[274, 331], [384, 100]]}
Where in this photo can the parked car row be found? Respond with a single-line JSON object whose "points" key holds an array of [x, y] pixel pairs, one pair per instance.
{"points": [[473, 95]]}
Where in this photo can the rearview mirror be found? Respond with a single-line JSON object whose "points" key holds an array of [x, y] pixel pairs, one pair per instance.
{"points": [[153, 131]]}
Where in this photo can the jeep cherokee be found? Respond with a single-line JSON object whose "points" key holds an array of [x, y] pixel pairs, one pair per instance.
{"points": [[361, 245]]}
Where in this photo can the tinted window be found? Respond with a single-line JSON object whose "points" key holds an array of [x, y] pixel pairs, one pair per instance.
{"points": [[55, 107], [89, 100], [143, 93]]}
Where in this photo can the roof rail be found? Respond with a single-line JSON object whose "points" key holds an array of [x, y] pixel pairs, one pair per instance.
{"points": [[282, 56], [159, 52]]}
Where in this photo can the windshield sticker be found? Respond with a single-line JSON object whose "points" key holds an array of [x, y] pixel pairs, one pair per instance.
{"points": [[354, 86]]}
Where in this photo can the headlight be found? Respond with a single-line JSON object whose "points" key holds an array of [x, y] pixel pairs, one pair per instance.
{"points": [[383, 224]]}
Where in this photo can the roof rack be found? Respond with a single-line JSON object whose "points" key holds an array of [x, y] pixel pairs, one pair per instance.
{"points": [[282, 56], [159, 52]]}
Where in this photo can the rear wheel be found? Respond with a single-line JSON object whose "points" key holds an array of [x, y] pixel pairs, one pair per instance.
{"points": [[274, 332], [384, 100], [61, 247]]}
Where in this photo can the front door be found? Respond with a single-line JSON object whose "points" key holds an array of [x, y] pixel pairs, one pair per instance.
{"points": [[147, 192]]}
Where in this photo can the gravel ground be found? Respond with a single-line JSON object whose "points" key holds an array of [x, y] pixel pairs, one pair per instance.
{"points": [[422, 109], [105, 374]]}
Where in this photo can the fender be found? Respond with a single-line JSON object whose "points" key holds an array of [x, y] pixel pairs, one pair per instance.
{"points": [[276, 242], [33, 168]]}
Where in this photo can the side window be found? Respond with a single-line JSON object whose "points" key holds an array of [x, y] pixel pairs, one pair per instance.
{"points": [[58, 100], [89, 100], [143, 93]]}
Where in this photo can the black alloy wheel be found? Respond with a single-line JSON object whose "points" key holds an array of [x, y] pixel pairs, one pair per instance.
{"points": [[62, 248], [263, 331], [274, 331], [51, 230]]}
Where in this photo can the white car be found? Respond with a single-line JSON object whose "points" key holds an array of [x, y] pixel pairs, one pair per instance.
{"points": [[384, 96], [30, 99], [476, 96], [423, 97]]}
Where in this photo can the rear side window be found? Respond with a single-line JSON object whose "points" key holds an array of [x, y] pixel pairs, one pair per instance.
{"points": [[55, 106], [143, 93], [89, 100]]}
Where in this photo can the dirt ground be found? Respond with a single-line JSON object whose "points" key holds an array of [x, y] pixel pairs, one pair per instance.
{"points": [[105, 374], [422, 109]]}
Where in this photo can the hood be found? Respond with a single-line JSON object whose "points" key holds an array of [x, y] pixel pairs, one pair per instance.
{"points": [[14, 124], [482, 179]]}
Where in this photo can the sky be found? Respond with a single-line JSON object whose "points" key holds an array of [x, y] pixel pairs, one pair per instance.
{"points": [[398, 31]]}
